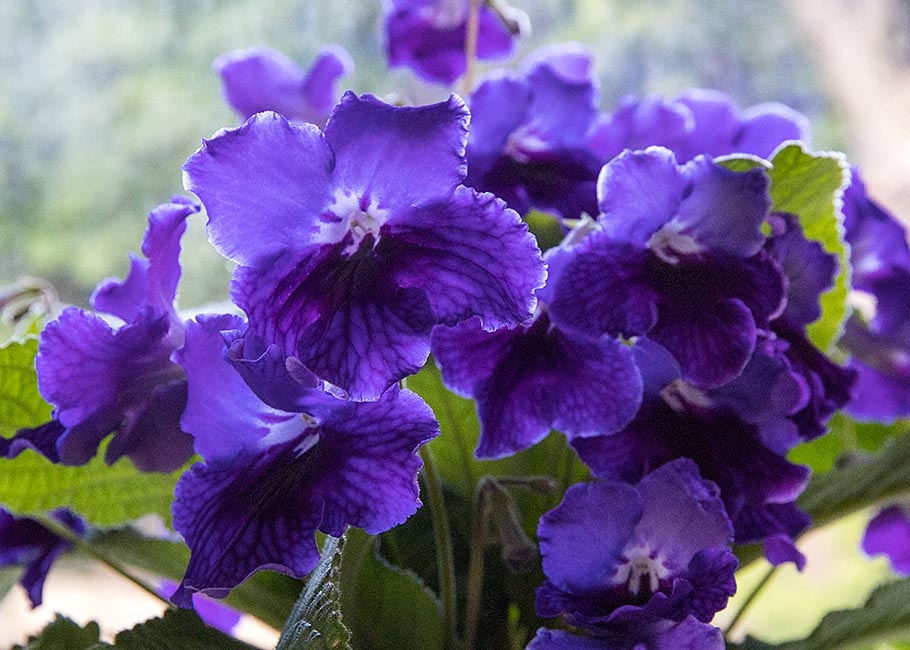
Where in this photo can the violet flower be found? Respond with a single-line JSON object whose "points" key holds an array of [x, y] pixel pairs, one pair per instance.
{"points": [[679, 258], [25, 541], [880, 257], [428, 36], [355, 243], [119, 380], [888, 533], [214, 614], [272, 478], [261, 79], [653, 552], [698, 122], [688, 634], [528, 142]]}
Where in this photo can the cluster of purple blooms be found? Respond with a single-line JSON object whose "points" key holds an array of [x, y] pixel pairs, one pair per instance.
{"points": [[665, 337]]}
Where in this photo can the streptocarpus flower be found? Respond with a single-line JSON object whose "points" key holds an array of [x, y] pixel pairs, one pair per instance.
{"points": [[25, 541], [528, 141], [733, 434], [354, 243], [697, 122], [214, 614], [533, 377], [679, 258], [261, 79], [888, 533], [881, 349], [655, 551], [428, 36], [105, 379], [272, 478]]}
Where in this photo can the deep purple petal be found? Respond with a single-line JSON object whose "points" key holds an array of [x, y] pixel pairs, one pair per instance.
{"points": [[715, 124], [530, 379], [659, 634], [724, 210], [559, 640], [42, 439], [879, 396], [344, 318], [398, 156], [570, 527], [499, 106], [222, 413], [889, 533], [151, 283], [638, 123], [217, 615], [472, 257], [638, 192], [712, 576], [261, 510], [601, 286], [99, 378], [264, 185]]}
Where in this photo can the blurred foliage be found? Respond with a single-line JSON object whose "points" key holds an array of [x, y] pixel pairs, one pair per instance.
{"points": [[104, 99]]}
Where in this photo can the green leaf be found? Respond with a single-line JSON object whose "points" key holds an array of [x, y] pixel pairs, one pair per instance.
{"points": [[21, 405], [64, 634], [385, 607], [742, 162], [315, 622], [545, 227], [30, 484], [178, 629], [884, 617], [846, 435], [810, 185]]}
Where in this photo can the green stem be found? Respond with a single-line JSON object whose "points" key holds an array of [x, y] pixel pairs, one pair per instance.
{"points": [[750, 599], [445, 555], [86, 547], [470, 44], [475, 564]]}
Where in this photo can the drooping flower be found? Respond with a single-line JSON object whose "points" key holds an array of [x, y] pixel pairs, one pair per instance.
{"points": [[428, 36], [261, 79], [25, 541], [888, 533], [355, 243], [271, 478], [679, 258], [880, 257], [653, 552], [528, 142], [698, 122], [737, 435], [105, 379]]}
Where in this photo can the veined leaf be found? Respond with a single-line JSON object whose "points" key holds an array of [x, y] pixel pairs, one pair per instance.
{"points": [[315, 622], [177, 629]]}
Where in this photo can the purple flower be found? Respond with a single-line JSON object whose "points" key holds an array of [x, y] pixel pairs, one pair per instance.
{"points": [[698, 122], [354, 243], [679, 258], [272, 478], [688, 634], [105, 379], [534, 377], [737, 436], [27, 542], [261, 79], [881, 348], [889, 533], [658, 550], [528, 142], [428, 36]]}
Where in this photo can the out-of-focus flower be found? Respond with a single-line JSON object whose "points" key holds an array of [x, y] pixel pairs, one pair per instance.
{"points": [[888, 533], [261, 79]]}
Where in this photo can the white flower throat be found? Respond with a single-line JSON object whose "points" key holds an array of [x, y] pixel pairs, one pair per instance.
{"points": [[346, 215], [641, 568]]}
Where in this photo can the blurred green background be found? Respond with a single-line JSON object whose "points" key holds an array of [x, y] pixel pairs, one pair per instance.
{"points": [[101, 101]]}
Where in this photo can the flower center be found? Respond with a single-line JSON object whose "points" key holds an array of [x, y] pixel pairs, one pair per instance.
{"points": [[670, 245], [353, 218], [641, 569], [523, 144]]}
